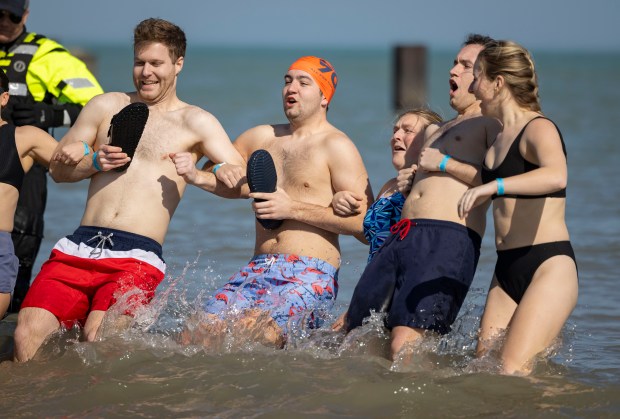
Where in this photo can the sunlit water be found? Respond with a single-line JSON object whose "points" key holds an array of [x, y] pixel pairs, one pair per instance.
{"points": [[144, 371]]}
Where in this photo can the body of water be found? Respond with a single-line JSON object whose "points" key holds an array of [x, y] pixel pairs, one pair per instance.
{"points": [[145, 373]]}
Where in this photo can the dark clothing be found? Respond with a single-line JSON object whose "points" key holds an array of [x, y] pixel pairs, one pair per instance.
{"points": [[11, 169], [514, 164], [420, 276], [515, 268], [44, 74]]}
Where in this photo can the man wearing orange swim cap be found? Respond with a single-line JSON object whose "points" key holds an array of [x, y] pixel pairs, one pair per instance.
{"points": [[292, 280], [321, 71]]}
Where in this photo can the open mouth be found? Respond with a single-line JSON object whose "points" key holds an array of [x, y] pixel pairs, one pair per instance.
{"points": [[453, 86]]}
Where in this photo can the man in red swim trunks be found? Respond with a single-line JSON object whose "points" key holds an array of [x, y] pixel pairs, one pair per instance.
{"points": [[118, 244]]}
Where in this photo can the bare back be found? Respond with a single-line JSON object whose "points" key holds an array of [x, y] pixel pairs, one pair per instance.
{"points": [[435, 195]]}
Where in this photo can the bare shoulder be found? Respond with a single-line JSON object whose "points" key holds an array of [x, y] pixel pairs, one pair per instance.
{"points": [[541, 129], [334, 139], [256, 137], [109, 102], [195, 117]]}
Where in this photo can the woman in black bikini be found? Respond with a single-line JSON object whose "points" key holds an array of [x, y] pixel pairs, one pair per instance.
{"points": [[535, 285]]}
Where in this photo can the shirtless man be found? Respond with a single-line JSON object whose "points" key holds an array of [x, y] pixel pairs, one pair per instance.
{"points": [[117, 247], [293, 274], [442, 250], [20, 148]]}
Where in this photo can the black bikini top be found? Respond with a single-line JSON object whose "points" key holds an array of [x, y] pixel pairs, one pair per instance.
{"points": [[11, 170], [514, 164]]}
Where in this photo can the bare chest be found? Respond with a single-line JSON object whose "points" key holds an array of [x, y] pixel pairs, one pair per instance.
{"points": [[301, 168], [463, 141]]}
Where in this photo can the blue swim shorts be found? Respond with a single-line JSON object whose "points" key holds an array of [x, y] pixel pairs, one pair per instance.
{"points": [[293, 289], [430, 264], [9, 263]]}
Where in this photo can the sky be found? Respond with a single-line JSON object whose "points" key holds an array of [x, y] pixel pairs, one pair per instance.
{"points": [[570, 25]]}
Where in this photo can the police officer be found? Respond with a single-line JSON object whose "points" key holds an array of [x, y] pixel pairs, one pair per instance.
{"points": [[48, 88]]}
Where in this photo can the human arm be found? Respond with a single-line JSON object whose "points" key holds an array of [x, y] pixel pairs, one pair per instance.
{"points": [[224, 172], [404, 180], [346, 203], [86, 130], [540, 145], [433, 160], [347, 172]]}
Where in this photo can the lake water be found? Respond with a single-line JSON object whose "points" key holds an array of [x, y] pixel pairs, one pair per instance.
{"points": [[145, 373]]}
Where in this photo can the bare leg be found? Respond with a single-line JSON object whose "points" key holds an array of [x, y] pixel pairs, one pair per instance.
{"points": [[402, 335], [101, 324], [5, 301], [258, 326], [498, 311], [539, 318], [34, 325], [204, 329]]}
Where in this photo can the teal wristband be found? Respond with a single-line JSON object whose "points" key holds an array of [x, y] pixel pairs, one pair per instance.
{"points": [[217, 166], [86, 148], [500, 186], [95, 164], [444, 162]]}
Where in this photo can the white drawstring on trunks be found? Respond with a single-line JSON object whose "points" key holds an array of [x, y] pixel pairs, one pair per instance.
{"points": [[270, 262], [98, 250]]}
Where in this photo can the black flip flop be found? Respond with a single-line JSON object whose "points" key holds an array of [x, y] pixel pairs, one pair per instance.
{"points": [[371, 295], [127, 127], [262, 177]]}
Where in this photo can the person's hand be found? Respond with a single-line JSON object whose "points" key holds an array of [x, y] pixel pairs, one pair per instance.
{"points": [[429, 159], [346, 203], [39, 114], [109, 157], [474, 197], [274, 206], [185, 166], [70, 154], [404, 180], [230, 175]]}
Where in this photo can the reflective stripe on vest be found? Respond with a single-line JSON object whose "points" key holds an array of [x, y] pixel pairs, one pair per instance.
{"points": [[19, 57]]}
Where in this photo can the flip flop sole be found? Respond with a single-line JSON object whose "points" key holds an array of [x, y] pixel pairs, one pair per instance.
{"points": [[126, 129], [262, 177]]}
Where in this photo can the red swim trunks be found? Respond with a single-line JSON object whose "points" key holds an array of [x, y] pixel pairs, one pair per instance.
{"points": [[91, 268]]}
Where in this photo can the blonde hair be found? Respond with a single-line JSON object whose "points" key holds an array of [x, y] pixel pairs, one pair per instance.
{"points": [[514, 63], [429, 115]]}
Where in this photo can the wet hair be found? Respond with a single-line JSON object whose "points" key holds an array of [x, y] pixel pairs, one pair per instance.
{"points": [[514, 63], [429, 115], [4, 81], [477, 39], [161, 31]]}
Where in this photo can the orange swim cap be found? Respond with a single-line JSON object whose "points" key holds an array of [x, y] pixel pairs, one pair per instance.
{"points": [[321, 71]]}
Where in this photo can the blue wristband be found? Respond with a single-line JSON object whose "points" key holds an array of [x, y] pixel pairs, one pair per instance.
{"points": [[444, 162], [95, 164], [217, 166], [500, 186], [86, 149]]}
